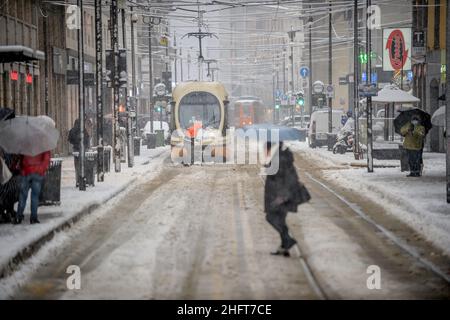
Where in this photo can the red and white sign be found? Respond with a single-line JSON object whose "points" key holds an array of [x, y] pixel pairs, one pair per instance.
{"points": [[396, 49]]}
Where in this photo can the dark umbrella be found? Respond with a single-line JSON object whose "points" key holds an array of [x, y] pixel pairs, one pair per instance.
{"points": [[284, 133], [405, 116], [6, 114]]}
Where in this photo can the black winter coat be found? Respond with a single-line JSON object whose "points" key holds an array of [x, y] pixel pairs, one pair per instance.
{"points": [[74, 137], [284, 184]]}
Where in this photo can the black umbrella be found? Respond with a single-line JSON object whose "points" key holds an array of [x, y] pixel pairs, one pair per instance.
{"points": [[6, 114], [405, 116]]}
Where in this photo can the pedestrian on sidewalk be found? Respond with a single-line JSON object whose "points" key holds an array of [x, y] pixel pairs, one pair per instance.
{"points": [[414, 136], [75, 141], [33, 169], [283, 193], [9, 191], [74, 136]]}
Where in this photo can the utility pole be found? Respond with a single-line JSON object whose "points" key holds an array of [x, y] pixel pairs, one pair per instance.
{"points": [[291, 57], [115, 48], [330, 78], [447, 95], [189, 65], [175, 57], [356, 150], [150, 74], [130, 144], [151, 21], [81, 156], [369, 99], [133, 68], [99, 88], [310, 91], [181, 64], [47, 55], [284, 74]]}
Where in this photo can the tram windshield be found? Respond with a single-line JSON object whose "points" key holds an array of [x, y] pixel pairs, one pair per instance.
{"points": [[200, 107]]}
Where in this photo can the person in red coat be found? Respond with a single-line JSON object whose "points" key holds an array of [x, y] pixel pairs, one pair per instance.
{"points": [[32, 170]]}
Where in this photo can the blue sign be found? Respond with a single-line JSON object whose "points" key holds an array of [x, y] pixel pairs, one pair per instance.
{"points": [[278, 93], [410, 75], [304, 72], [374, 77], [363, 77]]}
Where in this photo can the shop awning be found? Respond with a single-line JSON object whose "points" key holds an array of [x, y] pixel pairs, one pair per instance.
{"points": [[19, 54]]}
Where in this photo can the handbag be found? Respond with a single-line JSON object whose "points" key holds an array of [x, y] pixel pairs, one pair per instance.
{"points": [[5, 174]]}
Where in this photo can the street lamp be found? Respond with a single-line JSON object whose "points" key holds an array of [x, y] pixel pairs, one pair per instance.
{"points": [[151, 21]]}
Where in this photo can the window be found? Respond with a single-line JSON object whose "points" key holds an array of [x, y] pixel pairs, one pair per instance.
{"points": [[199, 107]]}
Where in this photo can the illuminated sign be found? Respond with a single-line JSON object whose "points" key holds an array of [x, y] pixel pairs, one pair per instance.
{"points": [[14, 75], [29, 79]]}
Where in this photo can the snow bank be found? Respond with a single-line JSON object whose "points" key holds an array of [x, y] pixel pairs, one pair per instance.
{"points": [[15, 239], [419, 202]]}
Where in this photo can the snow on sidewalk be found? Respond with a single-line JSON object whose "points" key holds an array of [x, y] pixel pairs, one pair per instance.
{"points": [[14, 239], [419, 202]]}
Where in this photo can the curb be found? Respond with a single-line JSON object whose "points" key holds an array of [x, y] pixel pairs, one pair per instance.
{"points": [[21, 256]]}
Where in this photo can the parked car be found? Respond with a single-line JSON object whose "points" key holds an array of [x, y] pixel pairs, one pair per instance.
{"points": [[156, 126], [299, 120], [318, 128]]}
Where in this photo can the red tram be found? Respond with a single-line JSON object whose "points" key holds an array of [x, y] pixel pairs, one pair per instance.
{"points": [[248, 111]]}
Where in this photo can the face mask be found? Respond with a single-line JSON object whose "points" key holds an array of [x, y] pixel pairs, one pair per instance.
{"points": [[415, 122]]}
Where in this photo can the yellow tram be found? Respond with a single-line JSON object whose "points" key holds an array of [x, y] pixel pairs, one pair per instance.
{"points": [[199, 114]]}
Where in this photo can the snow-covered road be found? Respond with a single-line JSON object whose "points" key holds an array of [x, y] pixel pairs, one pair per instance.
{"points": [[199, 233]]}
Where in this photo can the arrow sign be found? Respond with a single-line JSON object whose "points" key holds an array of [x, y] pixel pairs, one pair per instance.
{"points": [[304, 72]]}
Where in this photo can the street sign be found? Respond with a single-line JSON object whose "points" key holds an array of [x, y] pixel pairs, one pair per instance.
{"points": [[304, 72], [305, 83], [318, 86], [410, 75], [369, 90], [396, 49], [292, 100], [373, 77], [329, 91], [343, 81], [418, 43]]}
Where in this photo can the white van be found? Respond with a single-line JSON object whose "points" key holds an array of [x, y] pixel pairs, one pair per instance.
{"points": [[318, 127]]}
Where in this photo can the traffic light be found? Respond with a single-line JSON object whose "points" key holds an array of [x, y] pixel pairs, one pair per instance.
{"points": [[277, 104], [123, 73], [363, 58], [109, 70], [301, 101]]}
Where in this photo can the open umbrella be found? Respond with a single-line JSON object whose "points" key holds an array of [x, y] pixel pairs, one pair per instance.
{"points": [[6, 113], [268, 130], [393, 94], [405, 117], [28, 135], [438, 118]]}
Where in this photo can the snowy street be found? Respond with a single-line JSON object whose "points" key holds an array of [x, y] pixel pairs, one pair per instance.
{"points": [[200, 233]]}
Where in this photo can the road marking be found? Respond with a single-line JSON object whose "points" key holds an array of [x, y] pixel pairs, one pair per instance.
{"points": [[407, 248]]}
